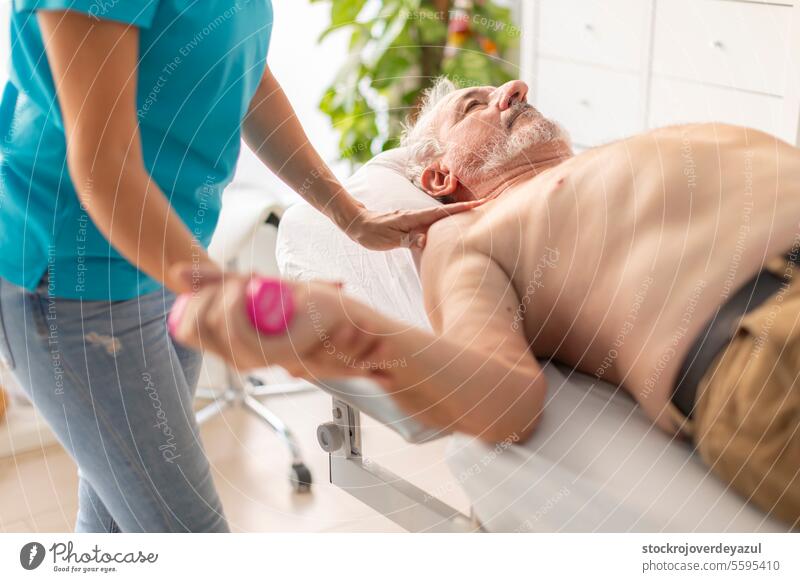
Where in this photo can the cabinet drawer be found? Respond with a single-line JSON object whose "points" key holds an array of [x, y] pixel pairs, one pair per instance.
{"points": [[675, 101], [612, 33], [594, 105], [736, 44]]}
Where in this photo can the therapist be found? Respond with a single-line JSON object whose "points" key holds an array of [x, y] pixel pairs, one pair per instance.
{"points": [[120, 128]]}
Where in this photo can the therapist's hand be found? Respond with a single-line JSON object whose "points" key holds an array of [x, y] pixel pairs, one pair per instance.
{"points": [[401, 228]]}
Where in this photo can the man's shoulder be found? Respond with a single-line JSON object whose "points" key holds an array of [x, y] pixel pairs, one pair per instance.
{"points": [[450, 240], [489, 229], [455, 227]]}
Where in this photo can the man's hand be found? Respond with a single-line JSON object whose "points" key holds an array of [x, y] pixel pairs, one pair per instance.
{"points": [[324, 339]]}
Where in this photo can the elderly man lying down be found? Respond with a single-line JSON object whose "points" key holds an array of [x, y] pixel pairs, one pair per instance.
{"points": [[663, 263]]}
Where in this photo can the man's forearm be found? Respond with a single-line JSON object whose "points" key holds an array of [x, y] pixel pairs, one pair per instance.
{"points": [[327, 334], [454, 386], [441, 382]]}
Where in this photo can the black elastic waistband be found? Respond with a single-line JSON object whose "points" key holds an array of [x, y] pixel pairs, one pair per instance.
{"points": [[719, 331]]}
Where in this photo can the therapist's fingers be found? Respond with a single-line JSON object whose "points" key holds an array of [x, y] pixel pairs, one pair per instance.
{"points": [[188, 325], [417, 222], [428, 216], [418, 240]]}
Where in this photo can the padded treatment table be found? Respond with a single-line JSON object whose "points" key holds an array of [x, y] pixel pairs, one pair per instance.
{"points": [[595, 463]]}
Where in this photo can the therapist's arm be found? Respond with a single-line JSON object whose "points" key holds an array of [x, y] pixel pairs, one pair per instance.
{"points": [[94, 65], [272, 130]]}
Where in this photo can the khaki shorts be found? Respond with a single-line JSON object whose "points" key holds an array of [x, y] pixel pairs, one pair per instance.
{"points": [[746, 423]]}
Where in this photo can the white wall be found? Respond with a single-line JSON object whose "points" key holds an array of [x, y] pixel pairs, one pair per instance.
{"points": [[304, 69], [5, 10]]}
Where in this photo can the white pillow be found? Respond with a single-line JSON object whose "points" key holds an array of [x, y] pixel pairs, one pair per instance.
{"points": [[381, 184], [310, 246]]}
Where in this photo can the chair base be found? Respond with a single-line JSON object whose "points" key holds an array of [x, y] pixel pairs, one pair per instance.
{"points": [[245, 393]]}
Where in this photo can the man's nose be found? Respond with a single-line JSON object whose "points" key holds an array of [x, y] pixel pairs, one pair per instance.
{"points": [[510, 93]]}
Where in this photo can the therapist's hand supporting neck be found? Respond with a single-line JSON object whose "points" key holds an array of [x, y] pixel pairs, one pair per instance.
{"points": [[272, 130], [94, 65]]}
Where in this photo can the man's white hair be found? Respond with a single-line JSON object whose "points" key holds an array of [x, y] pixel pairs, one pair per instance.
{"points": [[421, 137]]}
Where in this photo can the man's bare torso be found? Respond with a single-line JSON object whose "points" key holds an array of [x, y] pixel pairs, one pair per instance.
{"points": [[620, 255]]}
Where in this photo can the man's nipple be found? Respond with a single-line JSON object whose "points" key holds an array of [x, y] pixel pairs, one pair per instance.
{"points": [[558, 183]]}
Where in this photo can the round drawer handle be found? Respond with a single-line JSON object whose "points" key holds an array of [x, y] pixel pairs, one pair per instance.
{"points": [[717, 44], [584, 103], [588, 27]]}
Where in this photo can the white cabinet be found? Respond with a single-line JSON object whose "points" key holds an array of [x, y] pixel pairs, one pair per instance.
{"points": [[674, 101], [733, 44], [593, 104], [610, 33], [607, 69]]}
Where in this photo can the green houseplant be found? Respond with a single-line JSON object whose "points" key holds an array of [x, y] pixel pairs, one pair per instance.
{"points": [[396, 49]]}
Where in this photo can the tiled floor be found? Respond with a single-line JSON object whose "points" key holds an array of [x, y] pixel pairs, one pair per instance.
{"points": [[38, 489]]}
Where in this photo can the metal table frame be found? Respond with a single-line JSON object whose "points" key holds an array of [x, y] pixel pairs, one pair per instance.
{"points": [[408, 506]]}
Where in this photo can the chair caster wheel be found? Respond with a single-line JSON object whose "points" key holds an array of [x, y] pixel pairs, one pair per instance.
{"points": [[300, 478]]}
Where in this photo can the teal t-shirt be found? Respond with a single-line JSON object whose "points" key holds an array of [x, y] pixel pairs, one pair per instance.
{"points": [[200, 62]]}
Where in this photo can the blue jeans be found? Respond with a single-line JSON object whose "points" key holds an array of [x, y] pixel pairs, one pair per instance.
{"points": [[117, 392]]}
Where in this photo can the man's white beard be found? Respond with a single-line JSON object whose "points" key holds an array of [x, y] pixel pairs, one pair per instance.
{"points": [[500, 151], [539, 132]]}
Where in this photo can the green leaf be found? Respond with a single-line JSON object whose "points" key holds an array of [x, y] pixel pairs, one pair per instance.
{"points": [[345, 11], [386, 52], [394, 28]]}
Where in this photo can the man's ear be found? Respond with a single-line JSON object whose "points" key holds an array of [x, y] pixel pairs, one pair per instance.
{"points": [[438, 181]]}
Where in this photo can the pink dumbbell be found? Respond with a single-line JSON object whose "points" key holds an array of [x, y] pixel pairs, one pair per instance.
{"points": [[268, 302]]}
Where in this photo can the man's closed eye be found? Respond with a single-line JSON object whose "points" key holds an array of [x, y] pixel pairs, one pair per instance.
{"points": [[471, 106]]}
